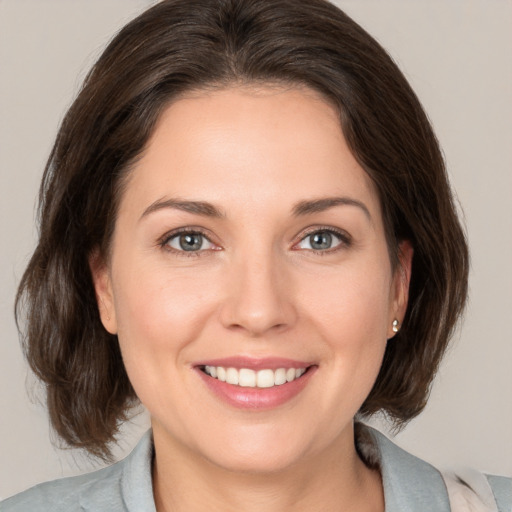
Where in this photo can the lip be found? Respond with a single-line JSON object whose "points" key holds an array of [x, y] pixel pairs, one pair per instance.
{"points": [[270, 363], [256, 399]]}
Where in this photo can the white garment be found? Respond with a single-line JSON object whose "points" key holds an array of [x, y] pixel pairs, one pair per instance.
{"points": [[469, 491]]}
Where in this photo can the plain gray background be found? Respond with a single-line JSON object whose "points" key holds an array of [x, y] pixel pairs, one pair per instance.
{"points": [[457, 56]]}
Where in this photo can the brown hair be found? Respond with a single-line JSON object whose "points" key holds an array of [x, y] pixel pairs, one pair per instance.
{"points": [[179, 45]]}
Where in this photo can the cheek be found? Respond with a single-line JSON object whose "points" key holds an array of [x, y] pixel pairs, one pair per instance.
{"points": [[351, 302], [153, 298], [351, 315], [159, 313]]}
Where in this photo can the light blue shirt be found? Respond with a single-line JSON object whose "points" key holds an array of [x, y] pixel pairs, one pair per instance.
{"points": [[410, 484]]}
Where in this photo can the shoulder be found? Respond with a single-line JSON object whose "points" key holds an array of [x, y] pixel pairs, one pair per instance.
{"points": [[502, 489], [413, 484], [409, 482], [63, 494], [472, 490], [124, 485]]}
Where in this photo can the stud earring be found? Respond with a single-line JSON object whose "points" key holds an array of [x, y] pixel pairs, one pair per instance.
{"points": [[395, 326]]}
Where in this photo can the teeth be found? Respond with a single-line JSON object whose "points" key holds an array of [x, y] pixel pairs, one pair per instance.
{"points": [[265, 379], [232, 376], [280, 376], [221, 373], [248, 378]]}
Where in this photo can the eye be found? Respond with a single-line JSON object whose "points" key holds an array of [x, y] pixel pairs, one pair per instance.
{"points": [[322, 240], [189, 241]]}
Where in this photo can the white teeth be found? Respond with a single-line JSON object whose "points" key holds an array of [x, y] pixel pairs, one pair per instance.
{"points": [[232, 376], [248, 378], [265, 379], [221, 373], [280, 376], [299, 372]]}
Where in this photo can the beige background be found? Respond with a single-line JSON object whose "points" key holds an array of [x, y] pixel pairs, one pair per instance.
{"points": [[457, 55]]}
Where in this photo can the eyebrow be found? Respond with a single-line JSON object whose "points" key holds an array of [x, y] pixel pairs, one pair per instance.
{"points": [[196, 207], [325, 203], [301, 208]]}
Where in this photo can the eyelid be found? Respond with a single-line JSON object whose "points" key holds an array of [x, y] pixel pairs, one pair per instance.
{"points": [[345, 238], [163, 241]]}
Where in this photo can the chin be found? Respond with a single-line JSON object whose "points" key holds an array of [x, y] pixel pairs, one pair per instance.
{"points": [[264, 462], [269, 450]]}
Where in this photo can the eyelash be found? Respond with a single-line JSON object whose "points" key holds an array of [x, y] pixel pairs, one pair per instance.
{"points": [[345, 239], [163, 242]]}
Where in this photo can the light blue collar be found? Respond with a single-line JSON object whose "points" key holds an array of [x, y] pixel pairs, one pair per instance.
{"points": [[134, 486], [410, 484]]}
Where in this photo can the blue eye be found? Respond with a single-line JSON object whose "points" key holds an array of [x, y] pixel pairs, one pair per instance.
{"points": [[189, 242], [321, 240]]}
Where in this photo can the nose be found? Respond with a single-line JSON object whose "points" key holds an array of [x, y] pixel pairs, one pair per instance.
{"points": [[259, 296]]}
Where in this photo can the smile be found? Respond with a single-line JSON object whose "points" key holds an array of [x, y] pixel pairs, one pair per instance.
{"points": [[255, 384], [248, 378]]}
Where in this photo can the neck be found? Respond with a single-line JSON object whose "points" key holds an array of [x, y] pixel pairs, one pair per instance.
{"points": [[333, 480]]}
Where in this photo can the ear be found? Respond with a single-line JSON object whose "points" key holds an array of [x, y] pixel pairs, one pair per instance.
{"points": [[103, 287], [400, 287]]}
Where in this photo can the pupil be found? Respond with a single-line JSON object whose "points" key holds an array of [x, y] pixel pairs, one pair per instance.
{"points": [[191, 242], [321, 240]]}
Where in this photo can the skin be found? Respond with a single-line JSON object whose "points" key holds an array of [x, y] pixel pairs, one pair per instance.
{"points": [[255, 288]]}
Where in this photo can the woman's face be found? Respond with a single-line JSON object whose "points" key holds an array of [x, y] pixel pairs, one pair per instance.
{"points": [[249, 246]]}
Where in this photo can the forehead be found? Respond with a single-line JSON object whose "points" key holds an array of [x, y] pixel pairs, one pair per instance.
{"points": [[249, 144]]}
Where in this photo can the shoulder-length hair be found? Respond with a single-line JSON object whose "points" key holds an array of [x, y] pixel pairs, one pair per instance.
{"points": [[182, 45]]}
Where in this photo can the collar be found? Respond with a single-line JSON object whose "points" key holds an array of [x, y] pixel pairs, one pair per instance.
{"points": [[410, 484], [125, 486]]}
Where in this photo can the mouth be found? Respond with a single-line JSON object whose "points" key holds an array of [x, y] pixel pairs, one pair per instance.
{"points": [[249, 378], [252, 384]]}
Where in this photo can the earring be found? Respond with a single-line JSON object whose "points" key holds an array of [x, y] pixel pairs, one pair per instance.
{"points": [[395, 326]]}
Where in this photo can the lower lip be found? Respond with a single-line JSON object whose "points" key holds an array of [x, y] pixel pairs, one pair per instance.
{"points": [[257, 398]]}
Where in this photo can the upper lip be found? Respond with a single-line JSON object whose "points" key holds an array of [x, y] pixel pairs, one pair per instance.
{"points": [[255, 363]]}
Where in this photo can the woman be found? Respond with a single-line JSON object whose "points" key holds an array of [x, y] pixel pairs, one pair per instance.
{"points": [[246, 225]]}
